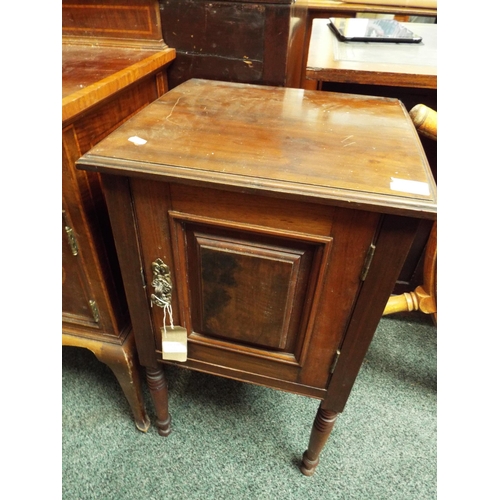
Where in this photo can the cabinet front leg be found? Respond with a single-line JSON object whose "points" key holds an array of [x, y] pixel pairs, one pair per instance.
{"points": [[322, 427], [157, 384]]}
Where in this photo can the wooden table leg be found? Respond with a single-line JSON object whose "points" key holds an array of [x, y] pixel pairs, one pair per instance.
{"points": [[322, 427], [121, 359], [157, 384]]}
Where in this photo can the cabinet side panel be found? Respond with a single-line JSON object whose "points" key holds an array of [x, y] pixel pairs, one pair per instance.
{"points": [[392, 245]]}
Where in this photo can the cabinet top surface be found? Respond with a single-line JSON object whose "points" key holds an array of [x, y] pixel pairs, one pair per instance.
{"points": [[83, 66], [320, 146], [93, 73]]}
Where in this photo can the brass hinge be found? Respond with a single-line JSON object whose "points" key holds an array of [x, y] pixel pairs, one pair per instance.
{"points": [[335, 361], [95, 310], [368, 261], [71, 240]]}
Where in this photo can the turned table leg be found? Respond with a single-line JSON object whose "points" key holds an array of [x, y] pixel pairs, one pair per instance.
{"points": [[157, 384], [322, 427]]}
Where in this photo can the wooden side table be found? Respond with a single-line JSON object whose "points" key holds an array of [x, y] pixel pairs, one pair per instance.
{"points": [[105, 81], [323, 9], [273, 222], [383, 64]]}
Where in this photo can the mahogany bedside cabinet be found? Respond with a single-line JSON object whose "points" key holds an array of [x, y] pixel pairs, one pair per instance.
{"points": [[104, 81], [268, 226]]}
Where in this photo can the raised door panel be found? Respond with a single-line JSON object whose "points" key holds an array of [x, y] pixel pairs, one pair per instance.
{"points": [[265, 287], [249, 289], [246, 289]]}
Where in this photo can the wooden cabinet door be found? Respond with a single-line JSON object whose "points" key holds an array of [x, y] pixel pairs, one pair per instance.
{"points": [[87, 306], [265, 287], [78, 305]]}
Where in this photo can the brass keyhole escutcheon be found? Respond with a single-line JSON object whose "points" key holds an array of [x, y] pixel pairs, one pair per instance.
{"points": [[162, 284]]}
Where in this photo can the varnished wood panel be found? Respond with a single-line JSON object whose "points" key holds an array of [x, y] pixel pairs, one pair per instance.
{"points": [[241, 41], [87, 208], [93, 75], [334, 234], [249, 283], [84, 211], [395, 240], [329, 162], [102, 87], [97, 123], [214, 368], [125, 20], [76, 295], [230, 273]]}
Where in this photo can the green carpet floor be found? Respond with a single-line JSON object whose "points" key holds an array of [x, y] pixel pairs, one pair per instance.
{"points": [[238, 441]]}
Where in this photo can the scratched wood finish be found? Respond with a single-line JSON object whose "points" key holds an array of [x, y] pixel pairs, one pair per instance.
{"points": [[253, 144], [266, 205], [384, 70], [241, 41]]}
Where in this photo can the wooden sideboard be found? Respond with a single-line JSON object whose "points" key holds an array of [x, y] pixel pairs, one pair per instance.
{"points": [[273, 222], [109, 72]]}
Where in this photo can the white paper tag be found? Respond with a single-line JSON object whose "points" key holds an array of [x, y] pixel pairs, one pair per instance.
{"points": [[138, 141], [174, 343], [408, 186]]}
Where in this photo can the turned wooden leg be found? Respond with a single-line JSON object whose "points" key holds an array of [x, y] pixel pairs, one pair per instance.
{"points": [[322, 427], [157, 384]]}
